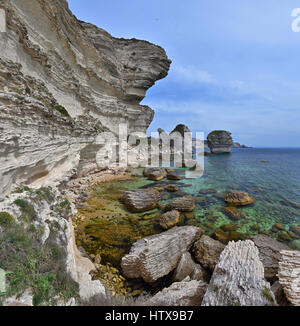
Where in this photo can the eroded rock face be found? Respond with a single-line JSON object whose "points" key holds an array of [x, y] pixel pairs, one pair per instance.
{"points": [[155, 174], [186, 293], [220, 141], [182, 204], [207, 251], [269, 253], [238, 278], [289, 275], [52, 63], [141, 200], [238, 198], [156, 256], [188, 268]]}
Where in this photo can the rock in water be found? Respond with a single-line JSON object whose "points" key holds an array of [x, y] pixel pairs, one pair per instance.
{"points": [[220, 141], [156, 256], [170, 219], [186, 293], [289, 275], [207, 251], [141, 200], [182, 204], [238, 198], [269, 253], [238, 278], [155, 174], [188, 268], [181, 129]]}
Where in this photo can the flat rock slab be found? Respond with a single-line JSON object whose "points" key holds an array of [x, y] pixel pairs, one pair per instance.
{"points": [[155, 174], [186, 293], [269, 253], [289, 275], [141, 200], [238, 278], [156, 256], [182, 204]]}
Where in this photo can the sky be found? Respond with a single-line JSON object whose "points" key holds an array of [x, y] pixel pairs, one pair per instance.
{"points": [[236, 64]]}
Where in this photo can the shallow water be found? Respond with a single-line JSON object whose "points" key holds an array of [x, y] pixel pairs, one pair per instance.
{"points": [[271, 176]]}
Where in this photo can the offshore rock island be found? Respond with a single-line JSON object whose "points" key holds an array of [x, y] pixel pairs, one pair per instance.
{"points": [[77, 232]]}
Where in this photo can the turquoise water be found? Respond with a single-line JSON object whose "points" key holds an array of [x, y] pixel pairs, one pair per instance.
{"points": [[271, 176]]}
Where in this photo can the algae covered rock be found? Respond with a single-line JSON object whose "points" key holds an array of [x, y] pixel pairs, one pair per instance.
{"points": [[233, 213], [219, 141], [238, 198], [141, 200], [182, 204], [170, 219]]}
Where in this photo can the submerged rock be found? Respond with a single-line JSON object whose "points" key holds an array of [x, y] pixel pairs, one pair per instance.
{"points": [[238, 278], [188, 268], [207, 251], [182, 204], [233, 213], [185, 293], [170, 219], [141, 200], [220, 141], [156, 256], [238, 198], [289, 275], [269, 253]]}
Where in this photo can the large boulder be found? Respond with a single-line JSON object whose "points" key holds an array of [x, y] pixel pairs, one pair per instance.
{"points": [[238, 278], [141, 200], [269, 253], [185, 293], [170, 219], [188, 268], [238, 198], [207, 251], [220, 141], [155, 174], [156, 256], [181, 129], [289, 275], [182, 204]]}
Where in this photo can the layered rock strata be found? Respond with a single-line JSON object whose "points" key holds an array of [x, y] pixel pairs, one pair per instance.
{"points": [[62, 82]]}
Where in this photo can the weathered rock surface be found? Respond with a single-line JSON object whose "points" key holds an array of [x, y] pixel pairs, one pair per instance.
{"points": [[289, 275], [238, 198], [170, 219], [207, 251], [185, 293], [220, 141], [269, 253], [233, 213], [141, 200], [182, 204], [181, 129], [156, 256], [238, 278], [155, 174], [279, 294], [188, 268], [62, 82]]}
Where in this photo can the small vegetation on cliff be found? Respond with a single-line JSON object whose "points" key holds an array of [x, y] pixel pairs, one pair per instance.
{"points": [[33, 265], [62, 110], [6, 219]]}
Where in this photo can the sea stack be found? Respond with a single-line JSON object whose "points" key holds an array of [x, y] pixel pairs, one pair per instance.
{"points": [[219, 141]]}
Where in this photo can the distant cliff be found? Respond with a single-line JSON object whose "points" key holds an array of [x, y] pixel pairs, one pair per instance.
{"points": [[62, 81]]}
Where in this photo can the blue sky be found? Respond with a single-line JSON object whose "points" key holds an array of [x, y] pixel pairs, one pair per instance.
{"points": [[235, 63]]}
